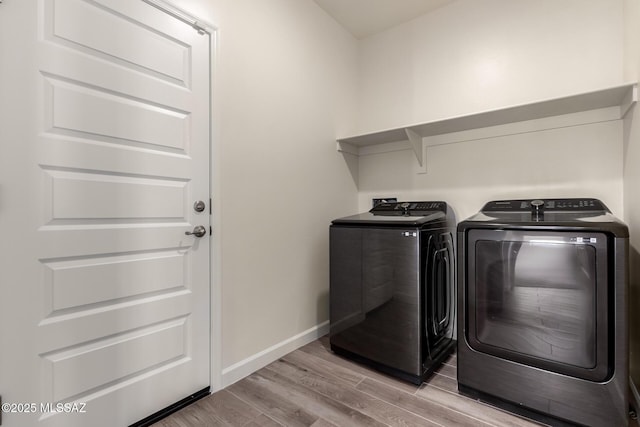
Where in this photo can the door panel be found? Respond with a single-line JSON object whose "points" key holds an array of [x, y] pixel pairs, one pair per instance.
{"points": [[82, 26], [112, 150], [73, 371], [85, 111], [79, 196], [79, 282]]}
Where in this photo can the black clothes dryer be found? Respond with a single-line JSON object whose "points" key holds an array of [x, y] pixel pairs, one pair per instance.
{"points": [[392, 287], [542, 328]]}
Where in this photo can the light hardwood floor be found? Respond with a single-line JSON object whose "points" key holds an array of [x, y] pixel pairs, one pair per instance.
{"points": [[313, 387]]}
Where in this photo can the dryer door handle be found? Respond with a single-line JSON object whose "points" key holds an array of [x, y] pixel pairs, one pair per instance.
{"points": [[440, 294]]}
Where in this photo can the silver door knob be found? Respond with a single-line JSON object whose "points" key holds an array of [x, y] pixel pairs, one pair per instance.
{"points": [[198, 231]]}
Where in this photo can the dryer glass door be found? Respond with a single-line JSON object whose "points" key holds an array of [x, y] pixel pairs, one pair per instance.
{"points": [[540, 298]]}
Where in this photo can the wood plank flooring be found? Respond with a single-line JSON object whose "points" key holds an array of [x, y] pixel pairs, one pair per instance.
{"points": [[313, 387]]}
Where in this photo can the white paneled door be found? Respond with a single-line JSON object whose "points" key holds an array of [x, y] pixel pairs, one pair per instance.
{"points": [[105, 301]]}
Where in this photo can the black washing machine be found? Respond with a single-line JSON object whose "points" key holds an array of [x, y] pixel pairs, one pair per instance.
{"points": [[542, 328], [392, 287]]}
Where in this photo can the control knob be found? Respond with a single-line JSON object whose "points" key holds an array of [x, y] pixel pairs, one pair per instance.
{"points": [[537, 210], [405, 208], [537, 206]]}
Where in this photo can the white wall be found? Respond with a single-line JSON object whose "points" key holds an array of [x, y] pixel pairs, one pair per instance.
{"points": [[632, 184], [472, 56], [580, 161], [284, 87], [475, 56]]}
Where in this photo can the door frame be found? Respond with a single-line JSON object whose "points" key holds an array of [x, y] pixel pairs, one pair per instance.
{"points": [[215, 271]]}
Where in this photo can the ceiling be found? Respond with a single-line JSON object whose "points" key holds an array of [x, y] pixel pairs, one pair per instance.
{"points": [[366, 17]]}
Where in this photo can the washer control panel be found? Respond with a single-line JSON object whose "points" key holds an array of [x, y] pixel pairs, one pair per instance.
{"points": [[539, 205], [395, 208]]}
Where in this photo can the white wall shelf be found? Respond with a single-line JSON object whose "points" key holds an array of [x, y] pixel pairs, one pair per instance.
{"points": [[622, 97]]}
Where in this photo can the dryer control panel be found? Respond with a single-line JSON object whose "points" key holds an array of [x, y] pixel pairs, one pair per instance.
{"points": [[539, 205]]}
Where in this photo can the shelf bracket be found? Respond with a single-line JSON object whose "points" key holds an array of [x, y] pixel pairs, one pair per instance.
{"points": [[630, 98], [345, 147], [418, 148]]}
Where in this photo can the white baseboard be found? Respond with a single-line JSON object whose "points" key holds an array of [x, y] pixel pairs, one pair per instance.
{"points": [[259, 360]]}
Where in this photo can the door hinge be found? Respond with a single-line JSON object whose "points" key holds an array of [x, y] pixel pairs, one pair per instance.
{"points": [[199, 28], [177, 13]]}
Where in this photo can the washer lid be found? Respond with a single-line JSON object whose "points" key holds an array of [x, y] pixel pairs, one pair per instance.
{"points": [[575, 206], [551, 214]]}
